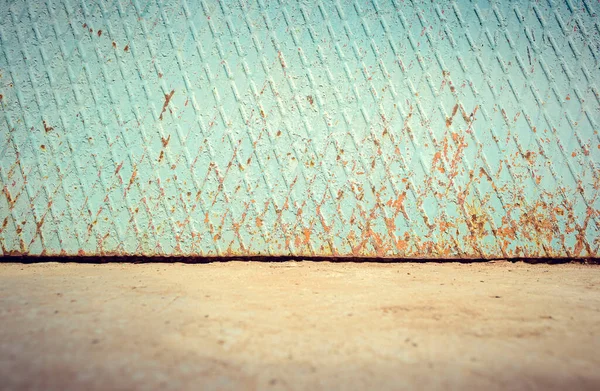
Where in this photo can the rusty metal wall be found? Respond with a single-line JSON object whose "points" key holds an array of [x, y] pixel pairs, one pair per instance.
{"points": [[372, 128]]}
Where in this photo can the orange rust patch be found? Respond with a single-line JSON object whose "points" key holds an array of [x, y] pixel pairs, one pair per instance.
{"points": [[167, 100], [306, 233], [449, 120], [464, 114], [483, 172], [537, 222], [126, 48], [436, 157], [530, 157], [402, 245], [444, 225], [398, 204], [507, 232], [165, 141]]}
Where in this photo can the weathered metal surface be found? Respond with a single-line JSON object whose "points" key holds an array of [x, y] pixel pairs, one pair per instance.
{"points": [[374, 128]]}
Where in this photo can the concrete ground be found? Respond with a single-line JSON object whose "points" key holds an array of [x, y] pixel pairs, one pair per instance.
{"points": [[299, 325]]}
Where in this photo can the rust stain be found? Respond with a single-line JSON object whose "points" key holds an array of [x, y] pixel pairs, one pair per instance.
{"points": [[167, 99], [402, 245], [437, 158], [310, 99], [10, 200], [517, 116], [398, 204], [530, 157], [306, 232], [536, 220], [165, 141], [99, 33], [281, 60], [114, 44], [445, 225], [476, 222], [483, 172], [132, 179], [162, 155], [126, 48], [47, 127], [580, 238], [465, 116], [449, 120]]}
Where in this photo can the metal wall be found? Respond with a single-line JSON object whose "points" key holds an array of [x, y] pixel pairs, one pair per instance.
{"points": [[373, 128]]}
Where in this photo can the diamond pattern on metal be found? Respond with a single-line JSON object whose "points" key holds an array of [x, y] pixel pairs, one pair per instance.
{"points": [[372, 128]]}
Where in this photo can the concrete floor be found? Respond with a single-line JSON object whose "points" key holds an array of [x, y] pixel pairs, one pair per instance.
{"points": [[299, 325]]}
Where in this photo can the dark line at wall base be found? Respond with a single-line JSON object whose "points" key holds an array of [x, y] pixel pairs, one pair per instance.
{"points": [[198, 260]]}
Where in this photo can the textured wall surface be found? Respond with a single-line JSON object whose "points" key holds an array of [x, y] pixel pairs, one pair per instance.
{"points": [[387, 128]]}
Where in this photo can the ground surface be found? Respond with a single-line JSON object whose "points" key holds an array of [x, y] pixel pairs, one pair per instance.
{"points": [[299, 325]]}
